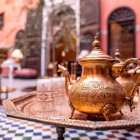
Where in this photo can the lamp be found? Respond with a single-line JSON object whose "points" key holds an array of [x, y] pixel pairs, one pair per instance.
{"points": [[17, 55], [14, 59]]}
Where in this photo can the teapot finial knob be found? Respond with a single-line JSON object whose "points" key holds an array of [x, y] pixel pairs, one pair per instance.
{"points": [[96, 43], [117, 54]]}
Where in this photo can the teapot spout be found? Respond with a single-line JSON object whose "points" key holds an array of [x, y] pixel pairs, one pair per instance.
{"points": [[67, 77]]}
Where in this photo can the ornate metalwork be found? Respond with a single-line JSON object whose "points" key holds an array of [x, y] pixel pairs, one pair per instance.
{"points": [[126, 79], [23, 108], [97, 92]]}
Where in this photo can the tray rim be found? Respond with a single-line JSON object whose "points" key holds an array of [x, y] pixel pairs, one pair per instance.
{"points": [[11, 111]]}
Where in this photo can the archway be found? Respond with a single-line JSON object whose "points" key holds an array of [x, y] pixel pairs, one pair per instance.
{"points": [[121, 32], [62, 28]]}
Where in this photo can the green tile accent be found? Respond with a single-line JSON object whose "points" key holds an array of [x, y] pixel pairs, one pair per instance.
{"points": [[20, 134], [27, 138]]}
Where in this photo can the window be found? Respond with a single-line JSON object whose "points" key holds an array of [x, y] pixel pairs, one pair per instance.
{"points": [[1, 20]]}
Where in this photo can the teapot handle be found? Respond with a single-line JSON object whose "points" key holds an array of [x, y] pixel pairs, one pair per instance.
{"points": [[137, 83], [127, 62], [133, 91]]}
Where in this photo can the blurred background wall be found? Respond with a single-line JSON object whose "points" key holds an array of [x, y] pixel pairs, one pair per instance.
{"points": [[106, 8], [37, 30]]}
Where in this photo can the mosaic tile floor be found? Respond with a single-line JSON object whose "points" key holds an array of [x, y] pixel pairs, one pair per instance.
{"points": [[16, 129]]}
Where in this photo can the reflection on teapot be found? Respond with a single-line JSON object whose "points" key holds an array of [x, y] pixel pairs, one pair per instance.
{"points": [[97, 91]]}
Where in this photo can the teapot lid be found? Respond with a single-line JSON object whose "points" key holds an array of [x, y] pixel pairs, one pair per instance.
{"points": [[96, 54], [117, 57]]}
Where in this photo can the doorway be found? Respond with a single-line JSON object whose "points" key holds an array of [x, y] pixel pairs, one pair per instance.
{"points": [[121, 32]]}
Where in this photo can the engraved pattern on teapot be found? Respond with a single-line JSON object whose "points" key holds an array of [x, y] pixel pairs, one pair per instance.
{"points": [[97, 91]]}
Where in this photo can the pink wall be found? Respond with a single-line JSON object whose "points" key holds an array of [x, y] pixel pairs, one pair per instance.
{"points": [[107, 6], [15, 15], [14, 20]]}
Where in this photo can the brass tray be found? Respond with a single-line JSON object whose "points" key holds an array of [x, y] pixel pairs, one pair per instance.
{"points": [[24, 107]]}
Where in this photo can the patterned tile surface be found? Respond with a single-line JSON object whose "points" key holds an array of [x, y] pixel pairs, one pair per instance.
{"points": [[16, 129]]}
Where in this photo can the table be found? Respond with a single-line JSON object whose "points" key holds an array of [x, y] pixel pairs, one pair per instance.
{"points": [[24, 107]]}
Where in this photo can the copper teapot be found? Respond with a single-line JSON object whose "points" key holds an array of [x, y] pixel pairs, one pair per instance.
{"points": [[97, 91], [129, 77]]}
